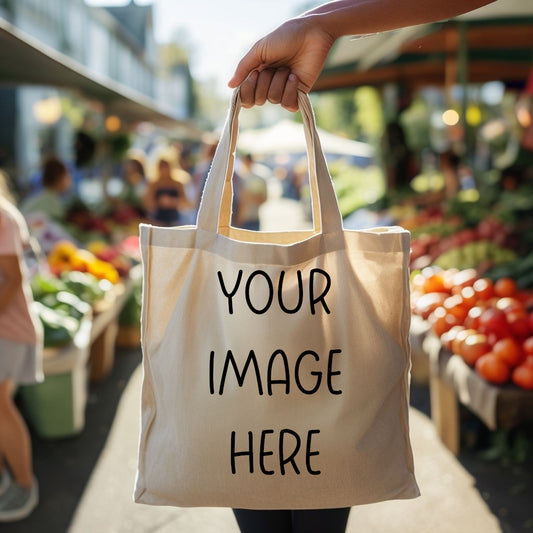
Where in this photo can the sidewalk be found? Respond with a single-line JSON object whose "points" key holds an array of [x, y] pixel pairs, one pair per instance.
{"points": [[449, 501]]}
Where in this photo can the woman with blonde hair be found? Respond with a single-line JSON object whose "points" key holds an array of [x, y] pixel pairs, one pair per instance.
{"points": [[20, 362], [165, 197]]}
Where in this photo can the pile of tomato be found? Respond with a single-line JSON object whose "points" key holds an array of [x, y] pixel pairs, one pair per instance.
{"points": [[487, 323]]}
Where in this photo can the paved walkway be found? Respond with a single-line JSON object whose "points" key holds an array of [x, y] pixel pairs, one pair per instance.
{"points": [[449, 501]]}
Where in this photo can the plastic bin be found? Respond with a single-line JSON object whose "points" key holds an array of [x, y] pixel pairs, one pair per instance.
{"points": [[55, 408]]}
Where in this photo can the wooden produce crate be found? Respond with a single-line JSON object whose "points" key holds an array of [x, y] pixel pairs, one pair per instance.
{"points": [[104, 331], [128, 336], [452, 382], [419, 357]]}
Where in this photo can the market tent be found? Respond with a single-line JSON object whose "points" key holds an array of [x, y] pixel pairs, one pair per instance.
{"points": [[497, 38], [287, 136], [26, 61]]}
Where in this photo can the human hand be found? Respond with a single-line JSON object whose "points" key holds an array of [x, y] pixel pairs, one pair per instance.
{"points": [[287, 59]]}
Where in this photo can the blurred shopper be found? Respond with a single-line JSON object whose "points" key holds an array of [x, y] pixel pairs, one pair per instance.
{"points": [[294, 179], [449, 163], [276, 67], [131, 196], [201, 170], [56, 181], [399, 160], [165, 198], [20, 363], [253, 193]]}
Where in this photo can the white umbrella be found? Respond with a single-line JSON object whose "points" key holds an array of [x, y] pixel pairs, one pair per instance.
{"points": [[287, 137]]}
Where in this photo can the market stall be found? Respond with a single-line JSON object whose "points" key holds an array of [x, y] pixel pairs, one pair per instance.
{"points": [[453, 382], [473, 336], [79, 297]]}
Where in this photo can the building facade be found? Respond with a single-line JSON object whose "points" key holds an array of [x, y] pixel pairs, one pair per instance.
{"points": [[115, 44]]}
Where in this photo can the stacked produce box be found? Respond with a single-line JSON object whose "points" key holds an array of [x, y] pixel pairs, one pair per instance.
{"points": [[76, 286], [472, 281]]}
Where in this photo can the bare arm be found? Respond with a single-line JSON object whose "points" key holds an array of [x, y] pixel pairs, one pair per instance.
{"points": [[293, 55], [148, 200], [11, 279]]}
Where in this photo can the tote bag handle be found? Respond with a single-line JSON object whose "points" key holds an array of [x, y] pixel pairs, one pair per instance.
{"points": [[214, 213]]}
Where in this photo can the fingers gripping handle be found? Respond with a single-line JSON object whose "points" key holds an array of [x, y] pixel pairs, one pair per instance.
{"points": [[215, 208]]}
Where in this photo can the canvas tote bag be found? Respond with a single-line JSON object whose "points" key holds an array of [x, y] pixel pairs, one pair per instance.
{"points": [[275, 364]]}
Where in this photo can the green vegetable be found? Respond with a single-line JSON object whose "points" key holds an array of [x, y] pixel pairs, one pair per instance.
{"points": [[131, 312], [67, 303], [84, 285], [59, 329], [520, 269], [41, 285], [472, 254]]}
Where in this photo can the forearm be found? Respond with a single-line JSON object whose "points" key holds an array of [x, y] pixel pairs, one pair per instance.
{"points": [[349, 17], [11, 280], [292, 56], [7, 292]]}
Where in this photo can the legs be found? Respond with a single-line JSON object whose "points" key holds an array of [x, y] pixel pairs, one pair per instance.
{"points": [[252, 521], [305, 521], [319, 520], [15, 443]]}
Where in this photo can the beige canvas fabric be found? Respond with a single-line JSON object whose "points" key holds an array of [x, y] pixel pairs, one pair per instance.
{"points": [[275, 364]]}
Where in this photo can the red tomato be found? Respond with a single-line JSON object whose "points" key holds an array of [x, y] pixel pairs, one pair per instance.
{"points": [[473, 347], [527, 346], [460, 337], [472, 318], [510, 351], [494, 321], [448, 337], [522, 376], [493, 369], [505, 287], [519, 324], [464, 278], [441, 321], [434, 283], [455, 306], [507, 304], [469, 297], [427, 303], [484, 288], [526, 297]]}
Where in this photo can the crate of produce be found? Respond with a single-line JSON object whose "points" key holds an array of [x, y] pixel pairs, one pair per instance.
{"points": [[55, 408]]}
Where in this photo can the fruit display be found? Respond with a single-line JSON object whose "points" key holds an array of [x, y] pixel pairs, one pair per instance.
{"points": [[61, 303], [475, 254], [84, 225], [78, 279], [65, 256], [451, 244], [59, 328], [487, 322]]}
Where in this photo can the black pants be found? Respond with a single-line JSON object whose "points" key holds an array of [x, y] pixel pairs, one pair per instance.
{"points": [[305, 521]]}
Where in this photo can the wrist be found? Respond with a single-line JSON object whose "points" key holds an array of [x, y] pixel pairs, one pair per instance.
{"points": [[322, 23], [335, 19]]}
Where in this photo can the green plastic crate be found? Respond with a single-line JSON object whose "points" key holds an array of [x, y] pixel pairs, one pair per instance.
{"points": [[55, 408]]}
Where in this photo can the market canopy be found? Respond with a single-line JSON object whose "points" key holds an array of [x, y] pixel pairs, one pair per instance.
{"points": [[26, 61], [497, 38], [287, 137]]}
